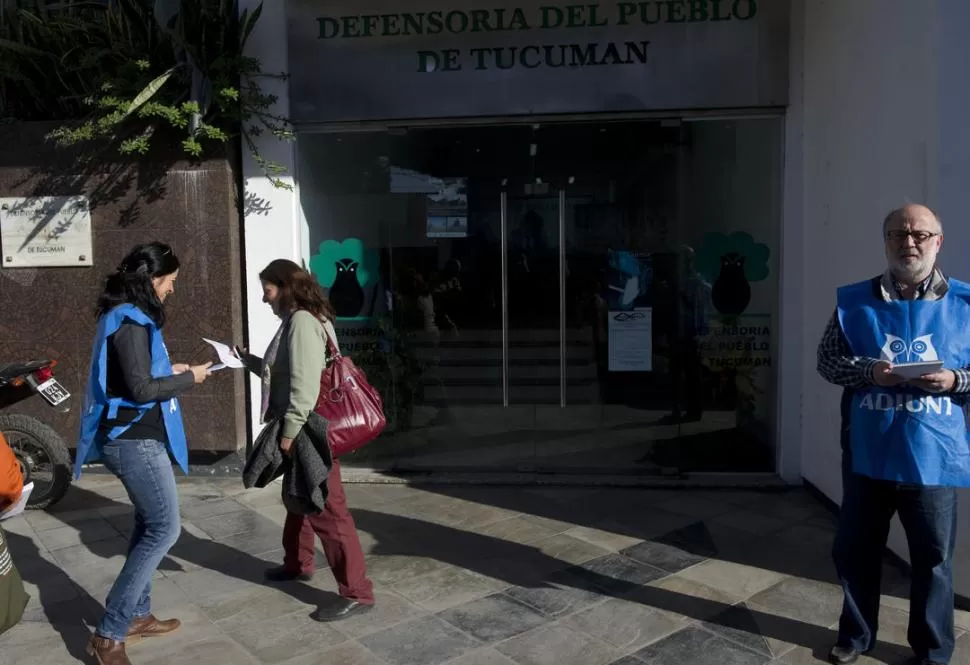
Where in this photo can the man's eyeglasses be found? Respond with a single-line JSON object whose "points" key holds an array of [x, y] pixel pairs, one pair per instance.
{"points": [[919, 237]]}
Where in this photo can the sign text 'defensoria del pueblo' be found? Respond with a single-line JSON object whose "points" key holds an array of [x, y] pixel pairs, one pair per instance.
{"points": [[575, 52]]}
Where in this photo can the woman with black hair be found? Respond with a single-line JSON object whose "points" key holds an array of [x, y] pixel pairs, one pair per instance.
{"points": [[131, 421]]}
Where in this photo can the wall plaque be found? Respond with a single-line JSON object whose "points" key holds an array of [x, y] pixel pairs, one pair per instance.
{"points": [[45, 232]]}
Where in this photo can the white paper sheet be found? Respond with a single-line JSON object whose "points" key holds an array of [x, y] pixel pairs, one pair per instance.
{"points": [[916, 370], [227, 358], [21, 504]]}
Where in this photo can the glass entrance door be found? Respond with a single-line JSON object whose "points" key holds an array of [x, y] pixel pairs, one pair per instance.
{"points": [[593, 296]]}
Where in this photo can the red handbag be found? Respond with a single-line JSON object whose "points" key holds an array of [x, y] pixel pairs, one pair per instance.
{"points": [[353, 408]]}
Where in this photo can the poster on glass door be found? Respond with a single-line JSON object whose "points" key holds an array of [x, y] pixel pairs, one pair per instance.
{"points": [[630, 325], [631, 340]]}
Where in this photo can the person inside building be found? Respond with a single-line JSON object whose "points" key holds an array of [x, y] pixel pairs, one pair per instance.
{"points": [[291, 370], [132, 422], [906, 437]]}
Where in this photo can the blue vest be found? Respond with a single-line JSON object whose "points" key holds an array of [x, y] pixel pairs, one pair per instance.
{"points": [[96, 399], [905, 434]]}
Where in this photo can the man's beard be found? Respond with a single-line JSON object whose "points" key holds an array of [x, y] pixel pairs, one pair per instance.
{"points": [[912, 271]]}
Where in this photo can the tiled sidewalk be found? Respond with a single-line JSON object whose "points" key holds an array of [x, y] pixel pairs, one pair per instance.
{"points": [[465, 576]]}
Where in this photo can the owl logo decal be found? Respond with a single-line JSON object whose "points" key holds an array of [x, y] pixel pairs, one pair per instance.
{"points": [[732, 264], [346, 293], [347, 269], [897, 350]]}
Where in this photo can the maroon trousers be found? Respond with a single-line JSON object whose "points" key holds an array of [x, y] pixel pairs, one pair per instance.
{"points": [[338, 535]]}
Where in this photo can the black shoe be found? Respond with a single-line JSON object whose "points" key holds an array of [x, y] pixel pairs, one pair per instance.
{"points": [[843, 655], [340, 609], [282, 574]]}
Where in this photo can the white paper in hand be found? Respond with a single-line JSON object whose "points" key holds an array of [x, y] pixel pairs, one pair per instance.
{"points": [[227, 358], [21, 504]]}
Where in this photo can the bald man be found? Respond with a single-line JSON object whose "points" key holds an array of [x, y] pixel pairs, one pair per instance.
{"points": [[904, 432]]}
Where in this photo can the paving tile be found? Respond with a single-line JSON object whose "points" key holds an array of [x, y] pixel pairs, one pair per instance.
{"points": [[517, 530], [67, 536], [557, 644], [89, 569], [230, 524], [444, 588], [248, 606], [51, 589], [560, 595], [423, 641], [683, 598], [550, 524], [201, 508], [645, 522], [805, 535], [663, 556], [750, 521], [787, 507], [616, 574], [624, 625], [734, 579], [54, 652], [348, 653], [769, 635], [627, 660], [695, 646], [569, 550], [389, 610], [486, 656], [691, 505], [40, 520], [813, 602], [279, 639], [212, 651], [461, 514], [611, 538], [493, 618], [390, 569]]}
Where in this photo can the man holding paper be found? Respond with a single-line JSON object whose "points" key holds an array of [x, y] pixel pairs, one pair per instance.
{"points": [[899, 345]]}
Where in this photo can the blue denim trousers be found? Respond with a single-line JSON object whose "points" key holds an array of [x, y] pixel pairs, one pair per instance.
{"points": [[144, 467], [929, 517]]}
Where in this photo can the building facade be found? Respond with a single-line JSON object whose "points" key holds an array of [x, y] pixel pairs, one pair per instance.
{"points": [[605, 238]]}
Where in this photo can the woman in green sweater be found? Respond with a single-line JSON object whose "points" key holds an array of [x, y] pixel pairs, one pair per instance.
{"points": [[291, 371]]}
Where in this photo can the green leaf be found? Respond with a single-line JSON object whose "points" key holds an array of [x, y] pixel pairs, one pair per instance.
{"points": [[21, 49], [149, 91]]}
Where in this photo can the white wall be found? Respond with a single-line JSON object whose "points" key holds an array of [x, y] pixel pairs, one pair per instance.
{"points": [[272, 222], [878, 118]]}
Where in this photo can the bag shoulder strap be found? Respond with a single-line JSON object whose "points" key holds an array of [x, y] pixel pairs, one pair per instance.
{"points": [[332, 342]]}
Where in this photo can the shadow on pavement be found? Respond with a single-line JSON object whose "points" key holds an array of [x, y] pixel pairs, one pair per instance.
{"points": [[522, 567]]}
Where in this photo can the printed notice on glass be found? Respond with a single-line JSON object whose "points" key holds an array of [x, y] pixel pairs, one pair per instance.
{"points": [[45, 232], [631, 340]]}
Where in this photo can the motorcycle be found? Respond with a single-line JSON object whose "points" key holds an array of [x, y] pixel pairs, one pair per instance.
{"points": [[44, 457]]}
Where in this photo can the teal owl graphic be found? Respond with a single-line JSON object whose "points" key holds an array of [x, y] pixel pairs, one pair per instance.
{"points": [[731, 263], [346, 268]]}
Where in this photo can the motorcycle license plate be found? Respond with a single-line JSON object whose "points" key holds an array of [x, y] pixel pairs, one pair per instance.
{"points": [[52, 391]]}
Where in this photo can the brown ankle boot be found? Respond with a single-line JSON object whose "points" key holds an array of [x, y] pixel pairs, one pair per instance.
{"points": [[108, 652], [151, 627]]}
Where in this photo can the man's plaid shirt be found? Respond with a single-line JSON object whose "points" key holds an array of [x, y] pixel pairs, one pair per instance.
{"points": [[835, 361]]}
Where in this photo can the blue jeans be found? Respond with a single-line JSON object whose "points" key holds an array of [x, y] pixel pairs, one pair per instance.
{"points": [[929, 517], [144, 467]]}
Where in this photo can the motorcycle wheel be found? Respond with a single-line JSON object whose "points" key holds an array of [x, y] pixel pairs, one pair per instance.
{"points": [[43, 456]]}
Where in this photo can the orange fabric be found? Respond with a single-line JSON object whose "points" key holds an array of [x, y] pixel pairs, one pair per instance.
{"points": [[11, 482]]}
